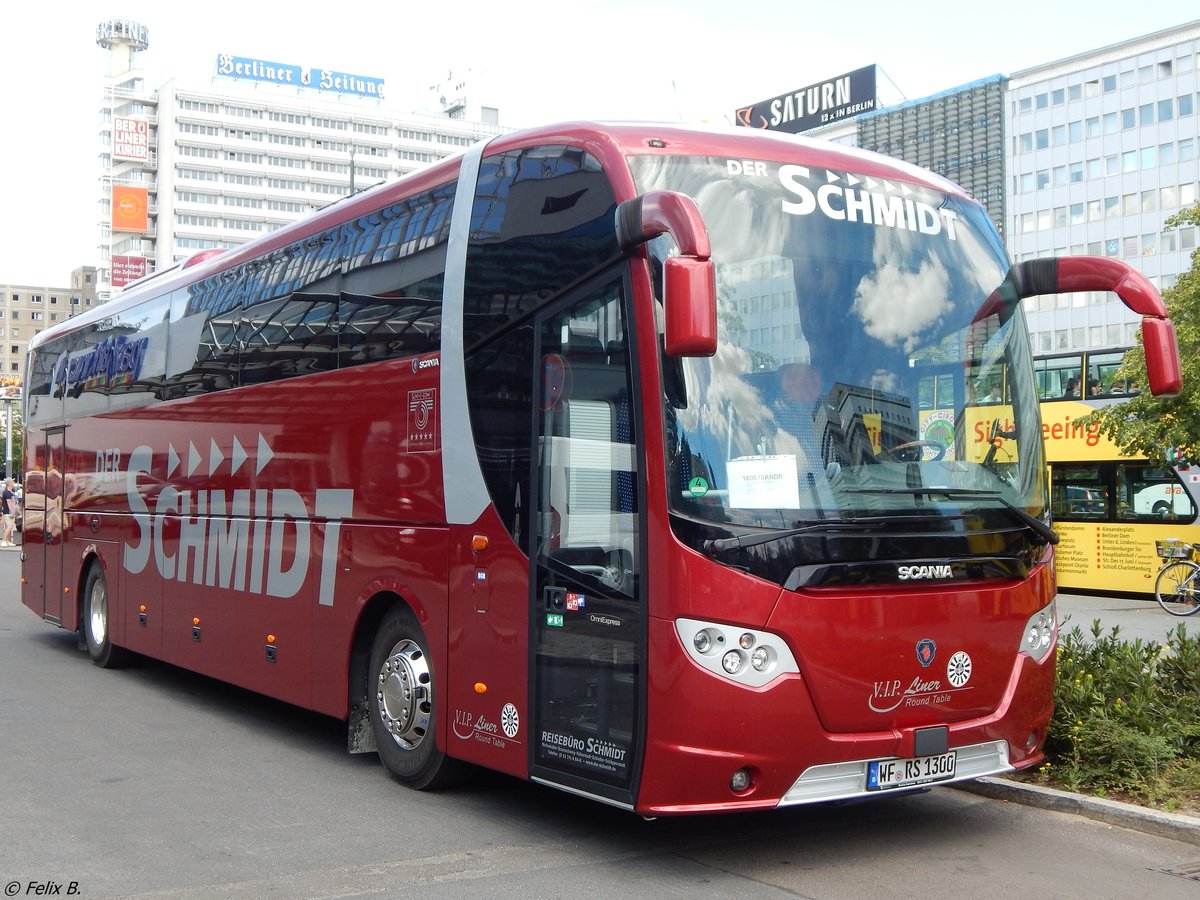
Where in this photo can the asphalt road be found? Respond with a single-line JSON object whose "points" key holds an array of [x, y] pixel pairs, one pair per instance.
{"points": [[1136, 618], [155, 782]]}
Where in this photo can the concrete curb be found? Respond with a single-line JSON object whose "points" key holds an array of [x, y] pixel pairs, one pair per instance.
{"points": [[1126, 815]]}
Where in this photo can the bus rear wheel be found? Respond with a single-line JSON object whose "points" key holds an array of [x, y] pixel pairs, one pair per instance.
{"points": [[402, 705], [95, 622]]}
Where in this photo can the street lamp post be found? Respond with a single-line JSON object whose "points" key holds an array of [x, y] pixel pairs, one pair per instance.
{"points": [[8, 448], [10, 394]]}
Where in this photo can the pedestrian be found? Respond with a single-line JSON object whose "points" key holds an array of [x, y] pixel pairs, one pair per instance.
{"points": [[8, 510]]}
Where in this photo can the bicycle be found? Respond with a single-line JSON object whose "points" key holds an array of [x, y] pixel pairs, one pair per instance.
{"points": [[1177, 587]]}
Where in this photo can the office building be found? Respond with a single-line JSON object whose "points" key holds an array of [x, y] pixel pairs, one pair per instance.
{"points": [[194, 167], [1101, 151], [958, 133], [26, 309]]}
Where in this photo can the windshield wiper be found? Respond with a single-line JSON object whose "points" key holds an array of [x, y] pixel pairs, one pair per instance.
{"points": [[1032, 522], [856, 523]]}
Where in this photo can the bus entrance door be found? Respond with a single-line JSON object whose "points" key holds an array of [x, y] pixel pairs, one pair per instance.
{"points": [[42, 535], [588, 621]]}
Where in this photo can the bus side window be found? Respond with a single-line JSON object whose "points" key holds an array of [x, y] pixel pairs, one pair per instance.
{"points": [[1124, 496], [525, 200], [1102, 367], [1157, 494], [1079, 493], [42, 404], [589, 494], [202, 356], [390, 302]]}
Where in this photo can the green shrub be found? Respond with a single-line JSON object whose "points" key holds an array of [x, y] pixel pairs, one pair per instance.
{"points": [[1127, 716]]}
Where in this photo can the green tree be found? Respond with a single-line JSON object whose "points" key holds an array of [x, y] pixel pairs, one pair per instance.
{"points": [[1150, 426]]}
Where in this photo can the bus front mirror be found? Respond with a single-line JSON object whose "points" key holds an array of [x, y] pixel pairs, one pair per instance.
{"points": [[689, 279], [1075, 274], [690, 307], [1163, 370], [1099, 273]]}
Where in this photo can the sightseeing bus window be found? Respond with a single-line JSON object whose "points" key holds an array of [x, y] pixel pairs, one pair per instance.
{"points": [[926, 393], [945, 392], [1124, 494], [1079, 493], [987, 388], [1154, 493], [1059, 378], [1118, 491], [936, 392], [1102, 370]]}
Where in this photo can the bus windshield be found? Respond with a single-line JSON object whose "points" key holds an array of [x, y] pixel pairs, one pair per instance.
{"points": [[859, 372]]}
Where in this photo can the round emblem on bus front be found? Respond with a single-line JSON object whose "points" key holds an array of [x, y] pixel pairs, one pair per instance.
{"points": [[958, 670], [510, 720]]}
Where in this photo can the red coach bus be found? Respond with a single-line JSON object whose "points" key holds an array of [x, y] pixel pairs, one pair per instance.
{"points": [[595, 456]]}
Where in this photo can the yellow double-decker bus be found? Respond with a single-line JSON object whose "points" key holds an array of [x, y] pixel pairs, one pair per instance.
{"points": [[1108, 508]]}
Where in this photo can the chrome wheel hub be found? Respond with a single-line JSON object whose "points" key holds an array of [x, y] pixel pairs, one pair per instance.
{"points": [[98, 613], [405, 694]]}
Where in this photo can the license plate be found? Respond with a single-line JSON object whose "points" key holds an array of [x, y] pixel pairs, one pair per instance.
{"points": [[893, 773]]}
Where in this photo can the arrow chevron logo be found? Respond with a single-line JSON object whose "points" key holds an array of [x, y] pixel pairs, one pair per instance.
{"points": [[216, 456]]}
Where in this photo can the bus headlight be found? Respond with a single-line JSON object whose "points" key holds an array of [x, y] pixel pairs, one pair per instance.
{"points": [[1040, 632], [748, 657], [761, 659]]}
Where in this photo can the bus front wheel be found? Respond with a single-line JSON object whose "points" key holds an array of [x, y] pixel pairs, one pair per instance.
{"points": [[402, 706], [95, 622]]}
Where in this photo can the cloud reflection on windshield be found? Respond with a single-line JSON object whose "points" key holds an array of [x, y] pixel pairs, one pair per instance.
{"points": [[898, 307]]}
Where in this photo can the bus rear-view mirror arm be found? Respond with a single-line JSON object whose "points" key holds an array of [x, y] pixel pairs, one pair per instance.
{"points": [[689, 279], [1075, 274]]}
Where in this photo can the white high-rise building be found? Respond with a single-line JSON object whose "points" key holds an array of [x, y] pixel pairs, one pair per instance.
{"points": [[186, 168], [1101, 150]]}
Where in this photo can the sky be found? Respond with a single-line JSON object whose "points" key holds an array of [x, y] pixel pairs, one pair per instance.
{"points": [[537, 62]]}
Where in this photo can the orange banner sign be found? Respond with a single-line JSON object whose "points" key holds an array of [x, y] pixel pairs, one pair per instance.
{"points": [[129, 209]]}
